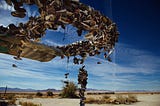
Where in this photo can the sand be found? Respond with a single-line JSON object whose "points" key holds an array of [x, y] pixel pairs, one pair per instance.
{"points": [[145, 100]]}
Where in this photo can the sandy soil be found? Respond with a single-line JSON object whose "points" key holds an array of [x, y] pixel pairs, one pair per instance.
{"points": [[145, 100]]}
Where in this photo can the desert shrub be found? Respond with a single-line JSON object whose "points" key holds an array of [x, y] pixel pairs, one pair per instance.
{"points": [[108, 100], [125, 100], [39, 94], [11, 98], [120, 99], [132, 99], [91, 100], [29, 104], [12, 102], [103, 100], [106, 97], [1, 96], [49, 93], [69, 91], [29, 97]]}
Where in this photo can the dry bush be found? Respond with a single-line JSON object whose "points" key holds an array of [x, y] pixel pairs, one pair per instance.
{"points": [[69, 91], [91, 100], [0, 96], [49, 93], [120, 99], [39, 94], [29, 97], [132, 99], [125, 99], [106, 97], [104, 100], [11, 98], [29, 104], [12, 102]]}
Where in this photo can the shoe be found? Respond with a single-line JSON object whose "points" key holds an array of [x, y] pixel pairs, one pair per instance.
{"points": [[20, 10], [9, 2], [12, 27], [13, 65], [38, 3], [17, 5], [105, 55], [18, 14], [17, 58], [109, 59], [79, 32], [99, 63], [89, 36]]}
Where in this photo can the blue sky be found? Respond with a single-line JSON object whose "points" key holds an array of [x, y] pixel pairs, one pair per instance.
{"points": [[136, 59]]}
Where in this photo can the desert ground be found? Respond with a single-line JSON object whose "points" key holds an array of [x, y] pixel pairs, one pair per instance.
{"points": [[144, 100]]}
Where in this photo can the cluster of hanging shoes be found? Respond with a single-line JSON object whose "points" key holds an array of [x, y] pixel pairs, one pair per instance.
{"points": [[102, 32]]}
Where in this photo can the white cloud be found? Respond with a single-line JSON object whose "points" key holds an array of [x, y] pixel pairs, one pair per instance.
{"points": [[107, 75], [3, 5], [51, 43], [30, 72], [131, 69], [136, 58]]}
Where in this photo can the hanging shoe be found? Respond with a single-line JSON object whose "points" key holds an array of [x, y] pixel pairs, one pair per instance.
{"points": [[62, 56], [82, 61], [75, 60], [12, 27], [105, 55], [87, 27], [9, 2], [28, 1], [63, 26], [99, 62], [38, 3], [21, 10], [79, 32], [17, 5], [89, 36], [13, 65], [17, 58], [109, 59], [66, 75], [66, 82], [18, 14]]}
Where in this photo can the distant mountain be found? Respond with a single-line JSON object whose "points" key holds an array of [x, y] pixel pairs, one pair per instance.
{"points": [[2, 89], [137, 91], [91, 89], [52, 90]]}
